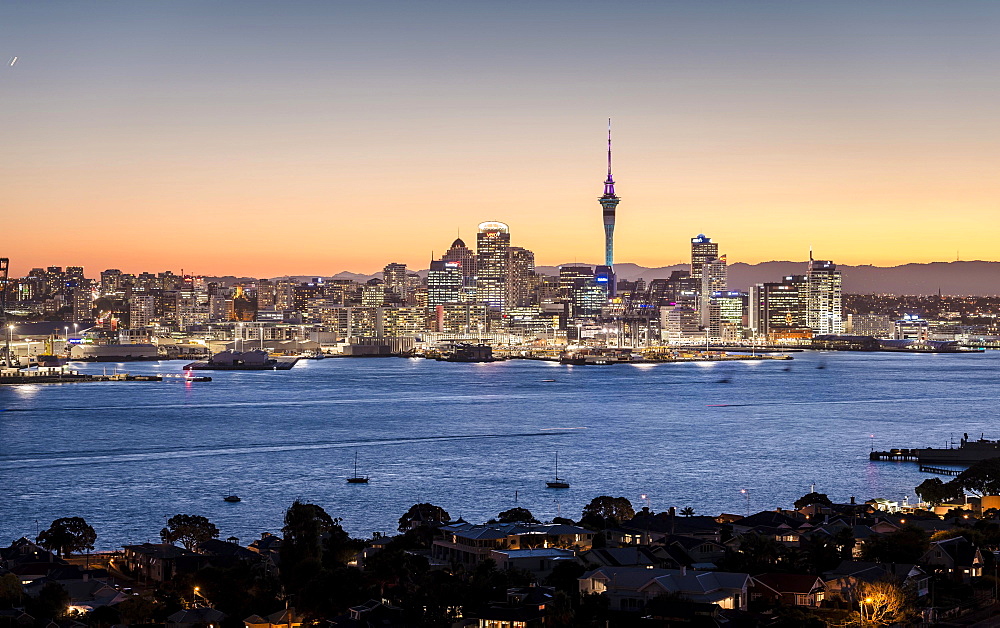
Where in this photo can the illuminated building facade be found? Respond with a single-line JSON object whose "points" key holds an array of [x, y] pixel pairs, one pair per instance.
{"points": [[702, 250], [713, 280], [394, 276], [492, 244], [520, 270], [466, 259], [824, 310], [444, 283]]}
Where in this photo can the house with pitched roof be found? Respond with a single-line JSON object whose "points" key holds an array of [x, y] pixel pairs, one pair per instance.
{"points": [[788, 589], [956, 558], [631, 588], [466, 544]]}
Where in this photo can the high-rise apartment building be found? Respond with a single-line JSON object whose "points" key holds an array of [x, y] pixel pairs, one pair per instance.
{"points": [[394, 275], [520, 269], [778, 306], [141, 310], [702, 250], [492, 244], [824, 311]]}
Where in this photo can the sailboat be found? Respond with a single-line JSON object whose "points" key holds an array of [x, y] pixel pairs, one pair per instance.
{"points": [[357, 479], [232, 497], [557, 482]]}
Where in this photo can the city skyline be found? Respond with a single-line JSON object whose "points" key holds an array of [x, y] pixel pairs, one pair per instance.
{"points": [[771, 127]]}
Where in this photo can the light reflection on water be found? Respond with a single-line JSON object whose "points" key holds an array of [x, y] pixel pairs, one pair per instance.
{"points": [[124, 455]]}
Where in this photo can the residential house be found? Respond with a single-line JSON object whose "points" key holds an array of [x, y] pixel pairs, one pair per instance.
{"points": [[538, 561], [202, 617], [787, 589], [159, 562], [631, 588], [466, 544], [956, 557], [525, 607]]}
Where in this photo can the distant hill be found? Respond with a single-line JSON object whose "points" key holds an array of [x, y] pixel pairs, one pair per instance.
{"points": [[957, 278]]}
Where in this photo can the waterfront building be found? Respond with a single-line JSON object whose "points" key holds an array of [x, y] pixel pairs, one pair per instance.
{"points": [[824, 311], [394, 276], [679, 325], [459, 318], [727, 316], [778, 307], [911, 327], [702, 250], [402, 321], [873, 325], [444, 283], [492, 244], [609, 205]]}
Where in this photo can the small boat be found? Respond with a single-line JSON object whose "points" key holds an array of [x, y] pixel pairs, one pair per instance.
{"points": [[557, 482], [231, 498], [548, 380], [357, 479]]}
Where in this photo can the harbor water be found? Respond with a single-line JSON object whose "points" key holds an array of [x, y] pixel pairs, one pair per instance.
{"points": [[475, 438]]}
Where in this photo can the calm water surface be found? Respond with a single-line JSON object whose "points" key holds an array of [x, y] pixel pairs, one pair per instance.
{"points": [[470, 437]]}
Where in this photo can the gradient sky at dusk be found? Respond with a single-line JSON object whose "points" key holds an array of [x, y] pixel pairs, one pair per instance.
{"points": [[256, 138]]}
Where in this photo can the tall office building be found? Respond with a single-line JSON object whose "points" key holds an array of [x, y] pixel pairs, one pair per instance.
{"points": [[444, 283], [713, 280], [466, 259], [520, 269], [609, 204], [779, 307], [702, 250], [492, 244], [824, 312]]}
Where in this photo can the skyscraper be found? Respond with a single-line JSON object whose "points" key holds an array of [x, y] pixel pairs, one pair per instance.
{"points": [[824, 314], [609, 203], [466, 259], [492, 244], [702, 250], [520, 268], [713, 280]]}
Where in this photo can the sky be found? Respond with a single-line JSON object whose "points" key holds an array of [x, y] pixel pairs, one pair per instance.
{"points": [[294, 137]]}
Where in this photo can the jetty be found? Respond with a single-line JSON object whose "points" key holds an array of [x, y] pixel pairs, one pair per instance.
{"points": [[10, 377]]}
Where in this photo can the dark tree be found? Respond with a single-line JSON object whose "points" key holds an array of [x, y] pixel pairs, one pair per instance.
{"points": [[905, 545], [813, 498], [516, 515], [67, 535], [190, 530], [306, 526], [423, 513], [687, 511], [606, 511], [982, 478], [10, 591], [935, 492], [50, 603]]}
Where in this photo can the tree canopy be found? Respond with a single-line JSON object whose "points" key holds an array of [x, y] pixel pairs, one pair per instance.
{"points": [[607, 507], [425, 512], [516, 515], [812, 498], [982, 478], [67, 535], [190, 530], [935, 492]]}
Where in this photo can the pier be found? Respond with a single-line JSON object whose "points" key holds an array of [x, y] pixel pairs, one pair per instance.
{"points": [[895, 455], [938, 470]]}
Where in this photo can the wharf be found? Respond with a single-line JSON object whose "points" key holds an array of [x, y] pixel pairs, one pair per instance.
{"points": [[939, 470], [894, 455]]}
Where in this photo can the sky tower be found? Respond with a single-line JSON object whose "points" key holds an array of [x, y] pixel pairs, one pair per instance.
{"points": [[609, 202]]}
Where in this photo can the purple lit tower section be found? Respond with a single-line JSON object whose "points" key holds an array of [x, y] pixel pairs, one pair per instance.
{"points": [[609, 203]]}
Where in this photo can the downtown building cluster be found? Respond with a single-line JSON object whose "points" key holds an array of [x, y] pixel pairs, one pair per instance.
{"points": [[487, 293]]}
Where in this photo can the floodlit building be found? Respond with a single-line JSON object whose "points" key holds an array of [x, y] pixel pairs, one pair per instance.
{"points": [[824, 311], [492, 244], [702, 250]]}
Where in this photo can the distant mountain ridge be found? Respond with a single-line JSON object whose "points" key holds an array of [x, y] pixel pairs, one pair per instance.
{"points": [[954, 278]]}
